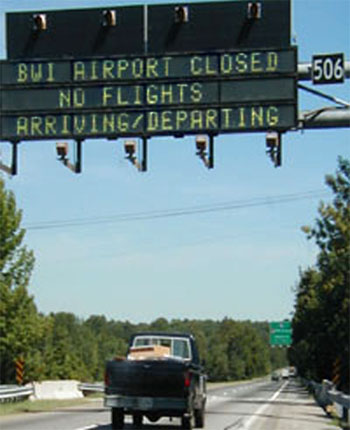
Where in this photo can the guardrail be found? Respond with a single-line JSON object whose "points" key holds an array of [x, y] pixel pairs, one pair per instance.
{"points": [[343, 401], [97, 387], [14, 392], [326, 395]]}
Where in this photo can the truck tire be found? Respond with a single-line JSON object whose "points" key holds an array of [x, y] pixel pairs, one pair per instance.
{"points": [[137, 420], [117, 418], [186, 422], [199, 418]]}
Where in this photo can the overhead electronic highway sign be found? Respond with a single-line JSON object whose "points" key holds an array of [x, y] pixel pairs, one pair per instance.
{"points": [[170, 69], [249, 90]]}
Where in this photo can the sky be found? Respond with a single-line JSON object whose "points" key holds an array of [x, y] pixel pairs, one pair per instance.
{"points": [[181, 241]]}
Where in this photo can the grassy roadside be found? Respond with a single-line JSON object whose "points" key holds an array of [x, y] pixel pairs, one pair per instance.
{"points": [[12, 408], [213, 385]]}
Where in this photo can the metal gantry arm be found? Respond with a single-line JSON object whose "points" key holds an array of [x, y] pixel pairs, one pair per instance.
{"points": [[305, 71], [324, 117], [327, 116], [321, 94]]}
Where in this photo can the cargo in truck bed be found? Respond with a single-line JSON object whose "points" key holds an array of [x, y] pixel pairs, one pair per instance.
{"points": [[148, 352]]}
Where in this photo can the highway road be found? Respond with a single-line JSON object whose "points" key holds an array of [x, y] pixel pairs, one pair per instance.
{"points": [[263, 405]]}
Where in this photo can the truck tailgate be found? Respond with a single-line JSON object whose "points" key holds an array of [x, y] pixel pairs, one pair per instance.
{"points": [[156, 378]]}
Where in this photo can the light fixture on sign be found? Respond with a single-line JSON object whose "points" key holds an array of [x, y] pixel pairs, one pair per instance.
{"points": [[109, 18], [62, 150], [205, 150], [181, 14], [274, 147], [39, 22], [254, 10], [131, 148], [201, 144]]}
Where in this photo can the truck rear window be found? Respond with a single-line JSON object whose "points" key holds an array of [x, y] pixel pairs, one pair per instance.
{"points": [[179, 347]]}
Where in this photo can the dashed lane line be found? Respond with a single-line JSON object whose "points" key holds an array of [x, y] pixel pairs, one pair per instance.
{"points": [[246, 425], [90, 427]]}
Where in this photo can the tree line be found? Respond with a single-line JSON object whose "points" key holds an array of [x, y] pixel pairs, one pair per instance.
{"points": [[63, 346], [321, 323]]}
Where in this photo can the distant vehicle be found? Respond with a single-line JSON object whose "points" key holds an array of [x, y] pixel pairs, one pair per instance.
{"points": [[292, 372], [285, 373], [275, 376], [161, 376]]}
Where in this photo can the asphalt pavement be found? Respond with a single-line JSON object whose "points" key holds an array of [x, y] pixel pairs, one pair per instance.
{"points": [[291, 408], [259, 405]]}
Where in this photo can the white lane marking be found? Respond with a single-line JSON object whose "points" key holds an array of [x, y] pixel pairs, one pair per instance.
{"points": [[93, 426], [262, 408], [213, 399]]}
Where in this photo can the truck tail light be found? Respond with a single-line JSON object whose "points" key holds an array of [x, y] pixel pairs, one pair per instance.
{"points": [[187, 380], [106, 379]]}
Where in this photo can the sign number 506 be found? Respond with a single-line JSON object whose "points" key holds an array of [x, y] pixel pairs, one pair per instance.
{"points": [[328, 69]]}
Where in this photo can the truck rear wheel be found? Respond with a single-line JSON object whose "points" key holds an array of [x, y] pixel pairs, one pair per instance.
{"points": [[199, 419], [186, 422], [117, 418]]}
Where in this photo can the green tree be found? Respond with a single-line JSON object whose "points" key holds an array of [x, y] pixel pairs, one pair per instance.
{"points": [[321, 320], [306, 323], [64, 348], [16, 262], [248, 354], [21, 327], [106, 341], [217, 364]]}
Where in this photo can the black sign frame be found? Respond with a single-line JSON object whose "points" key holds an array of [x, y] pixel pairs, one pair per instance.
{"points": [[149, 29]]}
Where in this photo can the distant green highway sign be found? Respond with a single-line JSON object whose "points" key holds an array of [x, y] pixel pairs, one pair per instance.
{"points": [[280, 333]]}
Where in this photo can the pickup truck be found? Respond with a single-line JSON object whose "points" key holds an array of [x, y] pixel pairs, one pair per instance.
{"points": [[162, 376]]}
